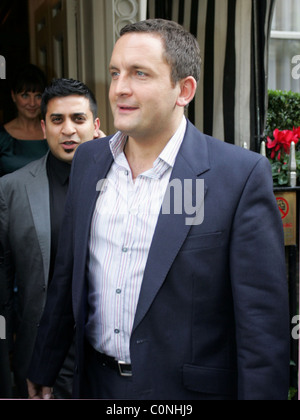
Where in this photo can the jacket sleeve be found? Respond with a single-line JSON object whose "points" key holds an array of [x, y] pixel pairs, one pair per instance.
{"points": [[260, 291], [6, 268]]}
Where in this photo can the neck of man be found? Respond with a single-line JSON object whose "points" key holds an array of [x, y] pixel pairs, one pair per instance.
{"points": [[142, 152]]}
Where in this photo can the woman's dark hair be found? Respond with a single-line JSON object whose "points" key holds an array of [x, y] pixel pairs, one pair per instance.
{"points": [[29, 78], [60, 88]]}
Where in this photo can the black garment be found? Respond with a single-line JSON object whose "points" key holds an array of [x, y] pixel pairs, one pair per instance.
{"points": [[58, 175], [103, 382], [15, 154], [5, 374]]}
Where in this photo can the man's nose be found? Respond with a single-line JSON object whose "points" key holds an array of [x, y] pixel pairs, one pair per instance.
{"points": [[123, 85], [68, 128]]}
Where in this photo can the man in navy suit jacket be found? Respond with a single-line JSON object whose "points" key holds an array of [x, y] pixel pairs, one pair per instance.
{"points": [[205, 314]]}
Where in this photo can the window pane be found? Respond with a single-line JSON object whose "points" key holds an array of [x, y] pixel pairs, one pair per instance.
{"points": [[287, 16], [284, 59], [283, 73]]}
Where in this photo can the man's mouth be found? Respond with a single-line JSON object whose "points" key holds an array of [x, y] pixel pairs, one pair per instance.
{"points": [[126, 108], [69, 146]]}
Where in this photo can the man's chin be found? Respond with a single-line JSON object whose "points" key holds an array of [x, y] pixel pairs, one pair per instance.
{"points": [[67, 156]]}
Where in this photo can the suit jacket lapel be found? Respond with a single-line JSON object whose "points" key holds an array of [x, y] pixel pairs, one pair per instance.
{"points": [[172, 229], [38, 195], [95, 172]]}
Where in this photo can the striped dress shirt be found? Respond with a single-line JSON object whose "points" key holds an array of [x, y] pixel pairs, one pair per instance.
{"points": [[122, 229]]}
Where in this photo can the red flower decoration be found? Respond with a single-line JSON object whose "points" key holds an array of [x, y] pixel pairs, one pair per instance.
{"points": [[296, 131], [282, 141]]}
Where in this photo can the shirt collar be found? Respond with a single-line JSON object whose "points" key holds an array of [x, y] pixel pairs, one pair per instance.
{"points": [[167, 156], [171, 150]]}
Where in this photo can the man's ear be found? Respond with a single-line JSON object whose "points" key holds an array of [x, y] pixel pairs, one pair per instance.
{"points": [[96, 128], [43, 125], [188, 87]]}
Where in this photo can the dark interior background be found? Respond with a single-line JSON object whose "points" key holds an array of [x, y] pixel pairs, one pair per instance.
{"points": [[14, 46]]}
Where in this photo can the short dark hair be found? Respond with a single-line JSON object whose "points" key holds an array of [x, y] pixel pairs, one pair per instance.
{"points": [[29, 78], [182, 50], [61, 88]]}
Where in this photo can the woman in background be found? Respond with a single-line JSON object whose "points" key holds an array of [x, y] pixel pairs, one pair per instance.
{"points": [[22, 140]]}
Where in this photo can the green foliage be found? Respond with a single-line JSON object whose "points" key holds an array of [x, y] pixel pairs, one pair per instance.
{"points": [[283, 111], [284, 114], [280, 170], [292, 393]]}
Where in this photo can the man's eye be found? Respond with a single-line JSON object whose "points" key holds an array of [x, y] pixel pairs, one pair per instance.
{"points": [[140, 73], [114, 74]]}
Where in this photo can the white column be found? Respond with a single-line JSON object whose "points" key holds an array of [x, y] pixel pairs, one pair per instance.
{"points": [[122, 12]]}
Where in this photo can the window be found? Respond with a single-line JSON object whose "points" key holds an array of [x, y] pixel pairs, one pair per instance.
{"points": [[284, 58]]}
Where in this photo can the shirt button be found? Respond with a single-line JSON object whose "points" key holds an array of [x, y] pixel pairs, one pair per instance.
{"points": [[124, 249], [117, 331], [119, 291], [126, 173]]}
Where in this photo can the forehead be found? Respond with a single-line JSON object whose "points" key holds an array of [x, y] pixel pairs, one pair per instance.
{"points": [[145, 46], [67, 105], [29, 92], [29, 88]]}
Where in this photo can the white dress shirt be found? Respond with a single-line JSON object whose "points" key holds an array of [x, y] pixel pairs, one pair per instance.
{"points": [[122, 229]]}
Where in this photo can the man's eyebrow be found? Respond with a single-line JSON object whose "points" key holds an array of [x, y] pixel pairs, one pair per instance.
{"points": [[76, 114], [56, 115], [133, 66]]}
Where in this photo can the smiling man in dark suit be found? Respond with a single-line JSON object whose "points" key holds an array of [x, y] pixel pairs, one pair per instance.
{"points": [[31, 208], [165, 309]]}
